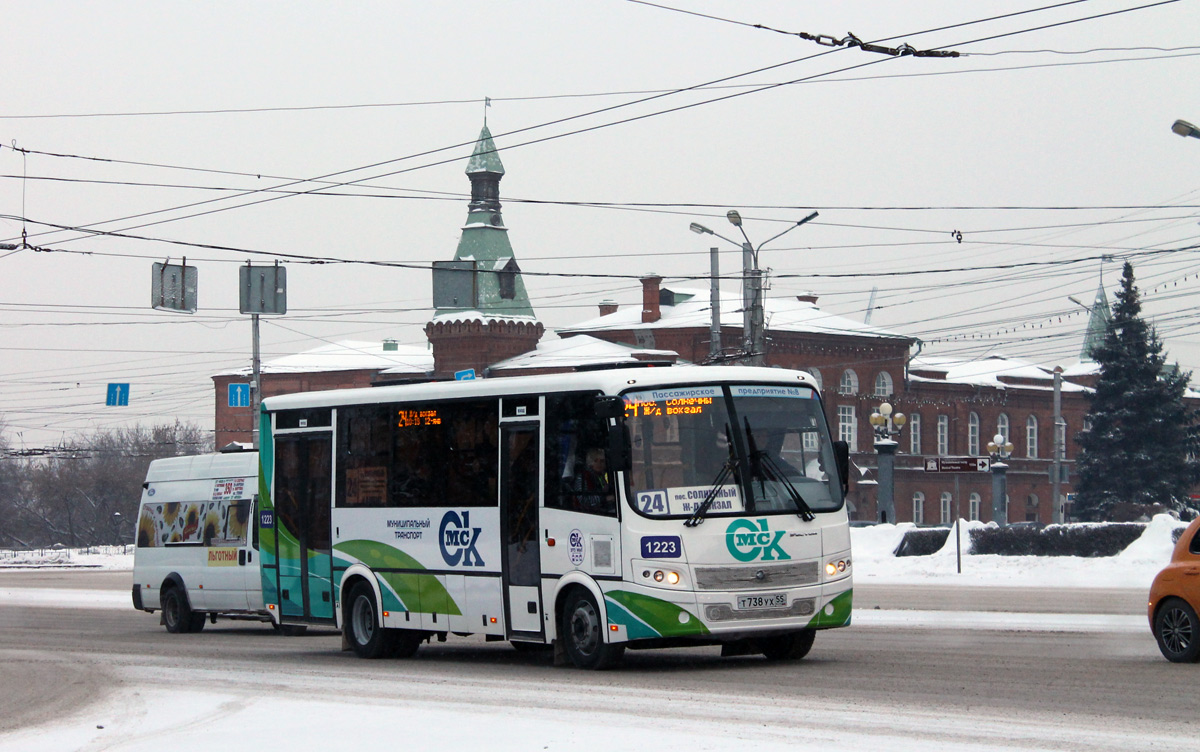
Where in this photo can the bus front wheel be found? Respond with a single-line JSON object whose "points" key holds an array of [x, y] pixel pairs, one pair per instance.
{"points": [[583, 633], [789, 647], [361, 623]]}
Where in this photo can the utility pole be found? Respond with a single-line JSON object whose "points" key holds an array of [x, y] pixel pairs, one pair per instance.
{"points": [[754, 341], [262, 290], [714, 332], [255, 392], [1057, 511]]}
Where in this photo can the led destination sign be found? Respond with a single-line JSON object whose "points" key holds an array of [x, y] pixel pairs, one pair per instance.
{"points": [[414, 418], [658, 403]]}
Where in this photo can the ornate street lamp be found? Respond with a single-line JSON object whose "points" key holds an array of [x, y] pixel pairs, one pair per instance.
{"points": [[886, 425], [1000, 450]]}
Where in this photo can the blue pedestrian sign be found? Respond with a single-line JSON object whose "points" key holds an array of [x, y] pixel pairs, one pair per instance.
{"points": [[118, 395], [467, 375], [239, 395]]}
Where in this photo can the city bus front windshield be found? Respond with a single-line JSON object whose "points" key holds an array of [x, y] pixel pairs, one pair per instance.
{"points": [[730, 450]]}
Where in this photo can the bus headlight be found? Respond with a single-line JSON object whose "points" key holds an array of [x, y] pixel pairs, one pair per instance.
{"points": [[837, 567], [672, 578], [667, 576]]}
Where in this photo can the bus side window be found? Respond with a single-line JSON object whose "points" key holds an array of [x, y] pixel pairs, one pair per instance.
{"points": [[235, 526], [577, 465]]}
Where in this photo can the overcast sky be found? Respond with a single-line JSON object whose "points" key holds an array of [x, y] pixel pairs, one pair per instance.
{"points": [[1045, 150]]}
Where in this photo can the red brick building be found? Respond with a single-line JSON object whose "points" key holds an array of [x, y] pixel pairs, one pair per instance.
{"points": [[483, 320]]}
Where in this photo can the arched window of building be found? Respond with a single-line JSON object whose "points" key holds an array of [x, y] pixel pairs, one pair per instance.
{"points": [[883, 384], [1002, 427], [943, 435], [947, 507], [1031, 436], [974, 500], [849, 382], [973, 434], [918, 516], [914, 433]]}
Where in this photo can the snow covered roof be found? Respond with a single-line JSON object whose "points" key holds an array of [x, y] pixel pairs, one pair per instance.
{"points": [[1082, 368], [349, 355], [996, 371], [693, 309], [480, 316], [582, 351]]}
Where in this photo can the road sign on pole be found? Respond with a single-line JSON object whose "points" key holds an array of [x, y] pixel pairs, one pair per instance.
{"points": [[262, 289], [239, 395], [118, 395], [465, 375], [173, 287], [958, 464]]}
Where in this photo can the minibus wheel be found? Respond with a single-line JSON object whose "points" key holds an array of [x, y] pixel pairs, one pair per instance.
{"points": [[177, 612]]}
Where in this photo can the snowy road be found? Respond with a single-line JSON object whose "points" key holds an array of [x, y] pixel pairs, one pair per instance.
{"points": [[943, 674]]}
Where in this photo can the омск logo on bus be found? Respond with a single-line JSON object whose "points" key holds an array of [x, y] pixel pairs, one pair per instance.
{"points": [[751, 539], [457, 540]]}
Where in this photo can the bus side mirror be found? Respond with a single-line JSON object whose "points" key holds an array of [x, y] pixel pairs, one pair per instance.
{"points": [[841, 456], [610, 407], [618, 447]]}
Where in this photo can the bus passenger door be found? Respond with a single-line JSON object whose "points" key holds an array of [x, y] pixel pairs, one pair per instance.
{"points": [[520, 500], [303, 482]]}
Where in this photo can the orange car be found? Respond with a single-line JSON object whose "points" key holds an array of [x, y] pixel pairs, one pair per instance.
{"points": [[1174, 598]]}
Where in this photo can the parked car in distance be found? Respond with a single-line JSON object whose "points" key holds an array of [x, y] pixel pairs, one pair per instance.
{"points": [[1174, 599]]}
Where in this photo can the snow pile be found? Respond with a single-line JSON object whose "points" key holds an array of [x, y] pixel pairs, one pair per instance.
{"points": [[96, 557], [1135, 567]]}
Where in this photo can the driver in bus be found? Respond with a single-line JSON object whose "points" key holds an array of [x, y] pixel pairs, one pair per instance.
{"points": [[592, 487]]}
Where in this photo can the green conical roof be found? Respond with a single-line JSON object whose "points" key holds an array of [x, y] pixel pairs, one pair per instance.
{"points": [[1098, 319], [485, 158], [499, 288]]}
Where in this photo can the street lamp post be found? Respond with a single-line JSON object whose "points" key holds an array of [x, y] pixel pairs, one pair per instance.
{"points": [[753, 320], [1000, 449], [1184, 128], [887, 424]]}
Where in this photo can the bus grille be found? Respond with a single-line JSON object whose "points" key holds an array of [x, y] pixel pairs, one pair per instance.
{"points": [[725, 612], [757, 577]]}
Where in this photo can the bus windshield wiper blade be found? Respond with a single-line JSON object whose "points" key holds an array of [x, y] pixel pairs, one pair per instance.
{"points": [[765, 468], [727, 469]]}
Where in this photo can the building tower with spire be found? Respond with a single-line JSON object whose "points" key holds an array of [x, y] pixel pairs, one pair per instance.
{"points": [[482, 311], [1098, 317]]}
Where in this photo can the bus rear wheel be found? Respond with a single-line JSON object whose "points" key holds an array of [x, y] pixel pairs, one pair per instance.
{"points": [[361, 623], [583, 633], [788, 647]]}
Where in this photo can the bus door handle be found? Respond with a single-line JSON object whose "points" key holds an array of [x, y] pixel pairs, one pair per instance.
{"points": [[242, 557]]}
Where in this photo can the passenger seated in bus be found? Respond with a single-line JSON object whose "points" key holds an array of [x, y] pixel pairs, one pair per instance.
{"points": [[593, 491]]}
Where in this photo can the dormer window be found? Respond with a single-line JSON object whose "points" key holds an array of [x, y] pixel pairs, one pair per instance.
{"points": [[508, 279]]}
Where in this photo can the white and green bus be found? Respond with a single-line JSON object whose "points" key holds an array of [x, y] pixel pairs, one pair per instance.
{"points": [[591, 511]]}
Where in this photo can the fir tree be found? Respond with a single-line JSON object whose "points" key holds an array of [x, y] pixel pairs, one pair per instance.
{"points": [[1134, 454]]}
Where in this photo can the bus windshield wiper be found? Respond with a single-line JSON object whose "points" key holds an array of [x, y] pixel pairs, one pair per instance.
{"points": [[764, 467], [727, 469]]}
